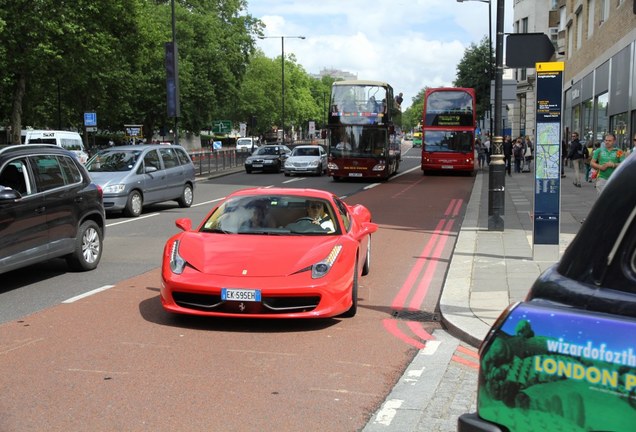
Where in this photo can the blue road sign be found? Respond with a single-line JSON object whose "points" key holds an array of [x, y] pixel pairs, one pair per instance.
{"points": [[90, 119]]}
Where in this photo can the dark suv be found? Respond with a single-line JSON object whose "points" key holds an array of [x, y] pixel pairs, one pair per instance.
{"points": [[565, 358], [49, 208]]}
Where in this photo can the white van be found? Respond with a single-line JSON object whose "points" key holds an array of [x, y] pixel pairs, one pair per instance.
{"points": [[247, 144], [69, 140]]}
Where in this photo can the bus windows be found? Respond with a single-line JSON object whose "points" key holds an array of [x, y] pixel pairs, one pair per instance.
{"points": [[444, 141]]}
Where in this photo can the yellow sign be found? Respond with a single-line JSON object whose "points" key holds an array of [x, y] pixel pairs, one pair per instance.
{"points": [[550, 66]]}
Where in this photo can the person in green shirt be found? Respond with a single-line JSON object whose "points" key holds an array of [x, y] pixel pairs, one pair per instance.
{"points": [[605, 160]]}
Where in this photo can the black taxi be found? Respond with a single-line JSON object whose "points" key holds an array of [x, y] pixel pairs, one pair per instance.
{"points": [[565, 358]]}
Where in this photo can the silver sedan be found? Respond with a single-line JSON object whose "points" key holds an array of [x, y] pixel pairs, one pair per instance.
{"points": [[306, 159]]}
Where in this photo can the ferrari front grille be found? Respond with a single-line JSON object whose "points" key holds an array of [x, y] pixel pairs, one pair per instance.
{"points": [[269, 304]]}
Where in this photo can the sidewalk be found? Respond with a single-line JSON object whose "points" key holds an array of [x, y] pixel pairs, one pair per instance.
{"points": [[488, 271], [491, 269]]}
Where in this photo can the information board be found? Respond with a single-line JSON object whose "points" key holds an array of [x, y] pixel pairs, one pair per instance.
{"points": [[547, 189]]}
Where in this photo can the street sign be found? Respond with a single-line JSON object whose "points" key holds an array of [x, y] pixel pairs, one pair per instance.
{"points": [[90, 119], [91, 129], [134, 130], [221, 126]]}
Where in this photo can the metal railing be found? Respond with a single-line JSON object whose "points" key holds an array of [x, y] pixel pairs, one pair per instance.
{"points": [[212, 161]]}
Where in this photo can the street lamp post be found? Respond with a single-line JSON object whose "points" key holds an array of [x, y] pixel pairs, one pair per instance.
{"points": [[497, 166], [490, 74], [282, 69]]}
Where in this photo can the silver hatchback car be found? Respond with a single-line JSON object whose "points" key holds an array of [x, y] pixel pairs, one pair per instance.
{"points": [[306, 159], [135, 175]]}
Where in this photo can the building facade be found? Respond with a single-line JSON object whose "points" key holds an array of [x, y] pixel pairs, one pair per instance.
{"points": [[599, 45], [597, 41]]}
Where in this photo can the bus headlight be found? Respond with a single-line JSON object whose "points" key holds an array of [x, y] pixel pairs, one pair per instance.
{"points": [[379, 167], [332, 166]]}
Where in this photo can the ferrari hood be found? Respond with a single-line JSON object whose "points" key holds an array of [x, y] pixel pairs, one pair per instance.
{"points": [[250, 255]]}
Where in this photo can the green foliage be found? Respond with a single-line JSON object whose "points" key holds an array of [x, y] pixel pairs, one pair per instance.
{"points": [[60, 59], [306, 98], [412, 116], [474, 70]]}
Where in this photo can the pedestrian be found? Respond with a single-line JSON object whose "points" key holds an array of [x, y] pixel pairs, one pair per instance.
{"points": [[575, 154], [605, 160], [589, 149], [487, 147], [507, 152], [528, 155], [564, 158], [517, 153], [481, 153]]}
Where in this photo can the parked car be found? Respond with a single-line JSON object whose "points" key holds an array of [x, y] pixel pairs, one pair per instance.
{"points": [[49, 208], [267, 158], [565, 358], [66, 139], [306, 159], [135, 175], [246, 144], [306, 250]]}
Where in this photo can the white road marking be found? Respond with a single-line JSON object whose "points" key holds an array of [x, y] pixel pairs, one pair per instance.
{"points": [[295, 179], [133, 219], [388, 411], [430, 347], [87, 294], [208, 202]]}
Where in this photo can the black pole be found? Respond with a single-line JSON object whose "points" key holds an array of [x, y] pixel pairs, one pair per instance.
{"points": [[490, 74], [282, 63], [176, 61], [497, 167]]}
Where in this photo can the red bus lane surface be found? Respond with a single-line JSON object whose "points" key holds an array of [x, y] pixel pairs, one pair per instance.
{"points": [[115, 360]]}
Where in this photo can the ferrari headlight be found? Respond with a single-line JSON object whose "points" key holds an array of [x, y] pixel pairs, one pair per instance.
{"points": [[321, 268], [177, 264]]}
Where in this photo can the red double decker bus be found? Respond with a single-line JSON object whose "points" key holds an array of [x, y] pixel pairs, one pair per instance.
{"points": [[362, 139], [448, 130]]}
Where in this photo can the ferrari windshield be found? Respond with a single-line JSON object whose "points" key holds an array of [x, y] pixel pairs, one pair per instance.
{"points": [[273, 215], [113, 160]]}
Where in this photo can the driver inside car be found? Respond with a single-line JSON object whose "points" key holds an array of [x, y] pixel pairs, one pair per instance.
{"points": [[316, 211]]}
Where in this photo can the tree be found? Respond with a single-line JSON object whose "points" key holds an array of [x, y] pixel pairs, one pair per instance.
{"points": [[412, 116], [474, 70], [60, 59]]}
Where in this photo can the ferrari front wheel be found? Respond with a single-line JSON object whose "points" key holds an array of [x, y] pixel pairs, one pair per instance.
{"points": [[354, 295]]}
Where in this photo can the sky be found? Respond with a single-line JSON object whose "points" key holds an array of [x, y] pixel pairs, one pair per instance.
{"points": [[411, 44]]}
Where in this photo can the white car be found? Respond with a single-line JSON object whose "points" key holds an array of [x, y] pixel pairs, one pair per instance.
{"points": [[246, 144], [306, 159]]}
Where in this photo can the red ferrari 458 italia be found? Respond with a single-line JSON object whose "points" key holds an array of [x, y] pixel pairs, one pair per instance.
{"points": [[269, 253]]}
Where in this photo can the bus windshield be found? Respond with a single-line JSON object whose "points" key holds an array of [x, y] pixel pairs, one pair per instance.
{"points": [[448, 141], [364, 103], [449, 108], [357, 141]]}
